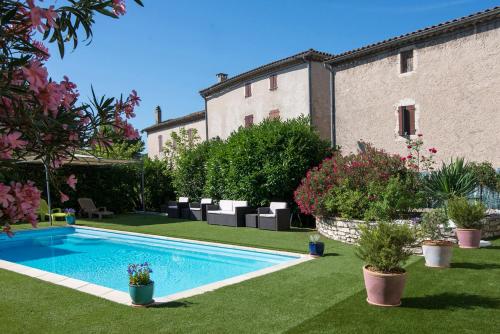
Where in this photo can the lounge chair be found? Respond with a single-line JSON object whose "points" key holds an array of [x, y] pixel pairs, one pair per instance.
{"points": [[228, 213], [276, 217], [178, 209], [198, 210], [43, 212], [88, 208]]}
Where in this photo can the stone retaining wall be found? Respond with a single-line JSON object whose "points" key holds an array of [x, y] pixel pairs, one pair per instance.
{"points": [[348, 230]]}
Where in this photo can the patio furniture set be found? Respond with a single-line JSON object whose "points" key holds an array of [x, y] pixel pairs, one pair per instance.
{"points": [[233, 213], [87, 208]]}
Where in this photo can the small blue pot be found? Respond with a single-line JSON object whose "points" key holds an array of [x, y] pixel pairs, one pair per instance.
{"points": [[316, 248], [70, 220], [142, 294]]}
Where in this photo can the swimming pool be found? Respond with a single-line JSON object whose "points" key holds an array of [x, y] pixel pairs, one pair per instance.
{"points": [[100, 257]]}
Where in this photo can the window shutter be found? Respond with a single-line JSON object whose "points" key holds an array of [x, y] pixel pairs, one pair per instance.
{"points": [[411, 112], [160, 143], [400, 118], [248, 121], [248, 90]]}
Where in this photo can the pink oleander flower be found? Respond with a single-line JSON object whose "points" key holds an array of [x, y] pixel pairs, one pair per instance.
{"points": [[119, 7], [5, 197], [130, 133], [44, 52], [36, 14], [64, 197], [36, 75], [12, 139], [51, 16], [72, 181], [133, 98]]}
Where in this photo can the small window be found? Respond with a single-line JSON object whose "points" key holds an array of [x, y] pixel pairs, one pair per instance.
{"points": [[406, 120], [248, 121], [190, 134], [274, 114], [273, 82], [160, 143], [248, 90], [406, 58]]}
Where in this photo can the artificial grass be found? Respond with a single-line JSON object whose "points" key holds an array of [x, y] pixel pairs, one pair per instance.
{"points": [[321, 296]]}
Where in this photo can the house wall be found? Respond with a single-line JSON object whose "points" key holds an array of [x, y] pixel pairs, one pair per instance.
{"points": [[226, 110], [455, 87], [321, 110], [152, 137]]}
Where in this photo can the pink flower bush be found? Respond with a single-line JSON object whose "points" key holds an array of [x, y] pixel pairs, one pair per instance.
{"points": [[18, 202], [416, 159]]}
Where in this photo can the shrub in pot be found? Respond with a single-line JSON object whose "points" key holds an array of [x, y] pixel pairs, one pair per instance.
{"points": [[385, 247], [316, 247], [467, 217], [436, 250], [141, 287]]}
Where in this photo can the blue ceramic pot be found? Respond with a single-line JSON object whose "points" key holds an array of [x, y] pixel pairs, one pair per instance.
{"points": [[316, 248], [70, 220], [141, 294]]}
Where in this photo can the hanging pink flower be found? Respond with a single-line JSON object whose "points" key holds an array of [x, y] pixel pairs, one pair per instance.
{"points": [[36, 75], [5, 197], [72, 181]]}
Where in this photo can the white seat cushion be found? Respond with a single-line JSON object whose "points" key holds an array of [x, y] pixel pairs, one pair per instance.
{"points": [[267, 215], [206, 201], [195, 209], [221, 212], [277, 205], [226, 205], [183, 199], [172, 206], [240, 203]]}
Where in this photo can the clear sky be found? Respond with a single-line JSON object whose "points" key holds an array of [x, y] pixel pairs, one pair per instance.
{"points": [[169, 50]]}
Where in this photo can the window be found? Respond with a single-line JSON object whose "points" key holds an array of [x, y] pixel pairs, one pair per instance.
{"points": [[273, 82], [248, 121], [406, 59], [406, 120], [190, 134], [160, 143], [273, 114], [248, 90]]}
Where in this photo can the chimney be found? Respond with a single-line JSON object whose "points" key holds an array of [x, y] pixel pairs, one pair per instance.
{"points": [[158, 114], [221, 77]]}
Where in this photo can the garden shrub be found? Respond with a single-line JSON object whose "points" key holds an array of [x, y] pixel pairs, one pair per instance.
{"points": [[433, 224], [190, 173], [385, 246], [265, 162], [370, 184], [465, 214]]}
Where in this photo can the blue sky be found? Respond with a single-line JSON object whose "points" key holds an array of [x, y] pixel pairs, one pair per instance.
{"points": [[169, 50]]}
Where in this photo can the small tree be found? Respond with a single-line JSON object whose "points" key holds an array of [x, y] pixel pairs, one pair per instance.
{"points": [[485, 175], [179, 143]]}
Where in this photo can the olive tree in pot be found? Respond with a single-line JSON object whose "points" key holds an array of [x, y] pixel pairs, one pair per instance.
{"points": [[437, 251], [385, 247], [467, 217]]}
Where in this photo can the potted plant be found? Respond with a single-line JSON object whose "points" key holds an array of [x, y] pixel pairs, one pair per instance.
{"points": [[436, 250], [141, 287], [70, 216], [316, 247], [385, 247], [468, 219]]}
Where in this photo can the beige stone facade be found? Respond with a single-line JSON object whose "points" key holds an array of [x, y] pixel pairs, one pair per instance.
{"points": [[454, 86], [160, 133], [303, 87]]}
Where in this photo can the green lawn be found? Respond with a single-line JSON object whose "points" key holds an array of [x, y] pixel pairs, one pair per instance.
{"points": [[321, 296]]}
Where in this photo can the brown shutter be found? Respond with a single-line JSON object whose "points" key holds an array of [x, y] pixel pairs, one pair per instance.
{"points": [[400, 118], [160, 143], [248, 121], [411, 112]]}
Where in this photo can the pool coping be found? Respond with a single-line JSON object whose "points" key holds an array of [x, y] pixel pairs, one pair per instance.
{"points": [[121, 297]]}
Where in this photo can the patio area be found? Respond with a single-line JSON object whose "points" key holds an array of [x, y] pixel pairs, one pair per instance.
{"points": [[323, 295]]}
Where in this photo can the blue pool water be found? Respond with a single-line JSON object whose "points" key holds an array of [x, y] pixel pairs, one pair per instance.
{"points": [[102, 258]]}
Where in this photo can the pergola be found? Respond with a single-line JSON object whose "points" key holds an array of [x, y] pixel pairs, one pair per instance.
{"points": [[85, 160]]}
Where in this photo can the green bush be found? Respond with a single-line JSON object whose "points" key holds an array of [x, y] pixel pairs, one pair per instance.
{"points": [[433, 224], [485, 175], [190, 173], [158, 188], [465, 214], [385, 246], [455, 179], [264, 162], [344, 202]]}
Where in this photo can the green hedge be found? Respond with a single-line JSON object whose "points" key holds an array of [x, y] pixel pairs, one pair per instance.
{"points": [[259, 164], [118, 187]]}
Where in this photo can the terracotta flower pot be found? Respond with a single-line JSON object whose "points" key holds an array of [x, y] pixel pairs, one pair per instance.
{"points": [[468, 237], [384, 289], [437, 253]]}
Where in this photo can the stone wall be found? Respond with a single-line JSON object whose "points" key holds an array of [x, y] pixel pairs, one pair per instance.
{"points": [[348, 230]]}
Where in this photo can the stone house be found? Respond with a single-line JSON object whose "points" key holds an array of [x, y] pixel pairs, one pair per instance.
{"points": [[442, 81]]}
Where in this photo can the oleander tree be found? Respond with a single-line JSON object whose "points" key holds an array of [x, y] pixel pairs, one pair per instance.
{"points": [[42, 117]]}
